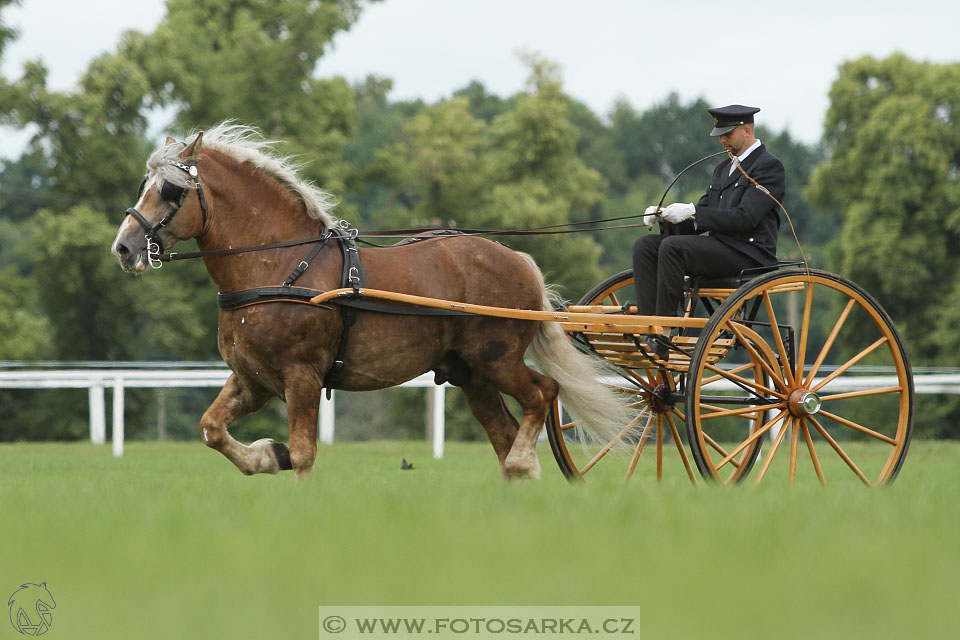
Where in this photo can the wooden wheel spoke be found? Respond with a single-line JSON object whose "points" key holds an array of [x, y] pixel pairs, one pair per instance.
{"points": [[622, 389], [781, 349], [829, 343], [857, 427], [610, 445], [751, 438], [813, 452], [568, 425], [659, 447], [804, 331], [773, 450], [859, 394], [794, 440], [743, 382], [849, 363], [677, 412], [776, 376], [633, 375], [734, 371], [716, 445], [683, 454], [636, 454], [722, 413], [710, 407], [840, 451], [613, 299]]}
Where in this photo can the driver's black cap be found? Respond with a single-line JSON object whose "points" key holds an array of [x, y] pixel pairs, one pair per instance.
{"points": [[726, 119]]}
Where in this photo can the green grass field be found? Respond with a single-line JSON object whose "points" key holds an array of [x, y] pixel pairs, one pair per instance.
{"points": [[172, 542]]}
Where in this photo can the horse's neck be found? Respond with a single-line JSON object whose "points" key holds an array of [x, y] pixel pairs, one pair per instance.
{"points": [[248, 216]]}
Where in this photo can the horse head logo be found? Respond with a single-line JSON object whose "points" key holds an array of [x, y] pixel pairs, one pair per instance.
{"points": [[30, 609]]}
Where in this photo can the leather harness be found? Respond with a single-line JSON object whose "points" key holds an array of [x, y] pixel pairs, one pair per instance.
{"points": [[351, 276]]}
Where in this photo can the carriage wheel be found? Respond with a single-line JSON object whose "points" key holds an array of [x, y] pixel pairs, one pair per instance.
{"points": [[657, 424], [837, 386]]}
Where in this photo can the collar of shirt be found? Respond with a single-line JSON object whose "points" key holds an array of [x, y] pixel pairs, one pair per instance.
{"points": [[743, 156]]}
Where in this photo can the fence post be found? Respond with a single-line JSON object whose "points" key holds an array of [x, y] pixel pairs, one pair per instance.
{"points": [[118, 417], [327, 418], [98, 413], [437, 410]]}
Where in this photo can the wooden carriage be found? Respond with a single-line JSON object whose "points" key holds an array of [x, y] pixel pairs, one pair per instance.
{"points": [[761, 371], [747, 376]]}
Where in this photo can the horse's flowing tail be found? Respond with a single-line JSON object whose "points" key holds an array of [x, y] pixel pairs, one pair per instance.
{"points": [[602, 414]]}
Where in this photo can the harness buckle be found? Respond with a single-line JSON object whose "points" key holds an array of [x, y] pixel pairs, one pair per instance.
{"points": [[353, 275], [153, 253]]}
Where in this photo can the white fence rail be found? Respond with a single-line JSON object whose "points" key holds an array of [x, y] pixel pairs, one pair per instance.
{"points": [[96, 380]]}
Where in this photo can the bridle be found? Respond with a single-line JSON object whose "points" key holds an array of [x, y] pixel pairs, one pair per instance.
{"points": [[174, 195]]}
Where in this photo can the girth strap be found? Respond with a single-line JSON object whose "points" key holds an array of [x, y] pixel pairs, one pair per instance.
{"points": [[350, 276]]}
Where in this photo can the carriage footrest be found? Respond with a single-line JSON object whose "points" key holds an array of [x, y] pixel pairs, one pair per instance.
{"points": [[630, 350]]}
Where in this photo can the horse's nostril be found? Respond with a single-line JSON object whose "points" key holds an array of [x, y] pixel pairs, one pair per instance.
{"points": [[122, 250]]}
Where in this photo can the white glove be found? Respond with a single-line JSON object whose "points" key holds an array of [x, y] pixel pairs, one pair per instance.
{"points": [[651, 215], [678, 212]]}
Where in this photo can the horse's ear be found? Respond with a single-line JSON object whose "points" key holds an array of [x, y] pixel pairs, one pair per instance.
{"points": [[194, 147], [170, 140]]}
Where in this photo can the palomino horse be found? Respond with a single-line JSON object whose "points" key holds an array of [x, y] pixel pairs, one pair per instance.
{"points": [[227, 189]]}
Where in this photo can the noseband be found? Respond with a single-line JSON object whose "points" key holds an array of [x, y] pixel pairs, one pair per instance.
{"points": [[175, 195]]}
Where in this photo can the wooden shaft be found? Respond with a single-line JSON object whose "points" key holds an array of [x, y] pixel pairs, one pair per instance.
{"points": [[637, 324]]}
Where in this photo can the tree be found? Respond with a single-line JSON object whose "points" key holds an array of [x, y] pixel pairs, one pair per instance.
{"points": [[894, 151], [96, 311], [893, 143], [521, 170], [253, 61]]}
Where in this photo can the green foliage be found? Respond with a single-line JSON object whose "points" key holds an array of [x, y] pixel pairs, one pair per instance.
{"points": [[253, 61], [24, 331], [894, 150], [91, 303]]}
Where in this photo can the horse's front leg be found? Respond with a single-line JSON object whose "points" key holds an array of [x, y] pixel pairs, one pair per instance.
{"points": [[302, 395], [234, 402]]}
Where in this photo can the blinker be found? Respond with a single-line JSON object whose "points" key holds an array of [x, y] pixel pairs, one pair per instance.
{"points": [[170, 192]]}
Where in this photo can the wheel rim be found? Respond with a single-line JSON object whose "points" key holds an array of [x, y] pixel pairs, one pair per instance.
{"points": [[844, 398], [655, 431]]}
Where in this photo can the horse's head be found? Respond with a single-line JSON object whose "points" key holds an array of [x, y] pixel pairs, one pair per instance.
{"points": [[170, 207]]}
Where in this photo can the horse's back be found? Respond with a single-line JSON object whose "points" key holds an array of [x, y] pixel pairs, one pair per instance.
{"points": [[463, 268]]}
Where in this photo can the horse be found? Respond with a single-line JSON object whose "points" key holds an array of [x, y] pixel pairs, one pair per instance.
{"points": [[229, 188]]}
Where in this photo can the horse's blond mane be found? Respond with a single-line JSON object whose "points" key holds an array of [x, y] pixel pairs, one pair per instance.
{"points": [[246, 144]]}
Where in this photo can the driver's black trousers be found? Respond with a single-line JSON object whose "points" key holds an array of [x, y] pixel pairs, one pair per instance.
{"points": [[661, 261]]}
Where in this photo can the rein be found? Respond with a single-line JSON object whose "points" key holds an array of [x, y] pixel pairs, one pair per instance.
{"points": [[156, 255]]}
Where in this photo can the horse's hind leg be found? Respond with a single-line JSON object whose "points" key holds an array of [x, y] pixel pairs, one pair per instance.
{"points": [[234, 402], [534, 392], [487, 406]]}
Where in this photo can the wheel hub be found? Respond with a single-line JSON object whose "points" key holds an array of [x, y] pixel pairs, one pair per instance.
{"points": [[661, 399], [803, 402]]}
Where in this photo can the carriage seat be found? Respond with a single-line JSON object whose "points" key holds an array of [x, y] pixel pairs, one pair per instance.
{"points": [[735, 282]]}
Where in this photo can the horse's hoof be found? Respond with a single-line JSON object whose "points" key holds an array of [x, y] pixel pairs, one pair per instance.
{"points": [[274, 456], [521, 471]]}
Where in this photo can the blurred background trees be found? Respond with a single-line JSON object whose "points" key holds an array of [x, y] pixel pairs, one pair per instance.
{"points": [[877, 201]]}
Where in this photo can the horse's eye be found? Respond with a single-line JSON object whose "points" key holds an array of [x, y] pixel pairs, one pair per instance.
{"points": [[171, 192]]}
